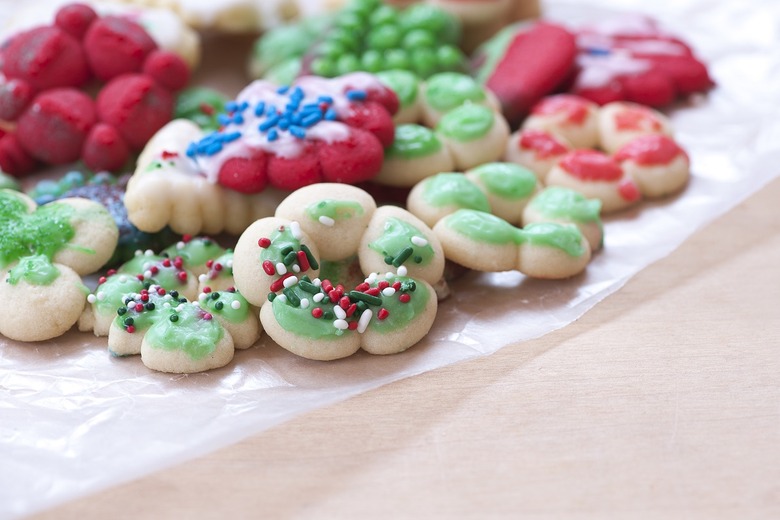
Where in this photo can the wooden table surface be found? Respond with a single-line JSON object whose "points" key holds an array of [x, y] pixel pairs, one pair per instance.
{"points": [[661, 402]]}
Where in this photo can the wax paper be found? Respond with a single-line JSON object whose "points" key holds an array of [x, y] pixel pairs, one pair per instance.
{"points": [[74, 420]]}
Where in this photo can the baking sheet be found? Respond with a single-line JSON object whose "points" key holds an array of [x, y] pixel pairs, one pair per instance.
{"points": [[74, 420]]}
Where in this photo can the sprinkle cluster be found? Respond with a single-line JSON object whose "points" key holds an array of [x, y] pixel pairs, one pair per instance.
{"points": [[292, 114], [147, 301]]}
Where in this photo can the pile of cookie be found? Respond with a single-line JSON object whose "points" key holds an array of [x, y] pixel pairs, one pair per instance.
{"points": [[377, 150]]}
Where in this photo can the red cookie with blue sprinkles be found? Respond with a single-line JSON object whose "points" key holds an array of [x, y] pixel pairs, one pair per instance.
{"points": [[315, 130]]}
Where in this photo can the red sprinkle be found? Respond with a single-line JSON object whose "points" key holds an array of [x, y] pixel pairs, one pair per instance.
{"points": [[166, 262], [169, 155], [186, 238], [111, 272], [140, 277], [139, 307], [397, 286], [404, 298], [130, 329], [101, 280], [207, 316], [363, 287], [333, 295], [154, 269], [178, 262], [327, 286], [218, 267], [382, 314], [373, 291], [206, 290], [144, 297], [268, 267], [344, 302], [353, 325], [182, 276], [206, 109], [351, 309], [209, 263], [264, 242], [384, 284], [279, 283], [316, 312], [303, 261]]}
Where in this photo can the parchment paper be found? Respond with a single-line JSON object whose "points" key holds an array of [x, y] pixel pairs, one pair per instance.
{"points": [[74, 420]]}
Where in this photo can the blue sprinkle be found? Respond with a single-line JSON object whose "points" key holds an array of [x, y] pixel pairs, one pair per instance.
{"points": [[330, 115], [232, 136], [311, 119], [298, 132], [213, 148], [238, 119], [223, 119], [284, 123], [231, 106], [192, 150], [310, 107], [273, 135], [244, 105], [269, 123], [283, 89], [325, 99], [270, 110], [260, 108], [297, 94], [296, 118], [598, 51], [356, 95]]}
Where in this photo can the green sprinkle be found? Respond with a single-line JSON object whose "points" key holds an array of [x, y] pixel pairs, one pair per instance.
{"points": [[271, 296], [308, 286], [128, 322], [292, 298], [121, 311], [219, 306], [310, 257], [174, 318], [403, 256], [286, 250], [363, 297], [328, 315], [290, 258], [409, 286], [389, 260]]}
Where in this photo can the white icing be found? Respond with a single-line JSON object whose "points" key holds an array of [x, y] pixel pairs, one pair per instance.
{"points": [[600, 70]]}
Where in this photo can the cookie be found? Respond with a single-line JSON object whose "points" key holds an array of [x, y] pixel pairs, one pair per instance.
{"points": [[566, 206], [571, 118], [277, 265], [631, 58], [44, 251], [658, 165], [524, 63], [537, 150], [620, 122], [44, 69]]}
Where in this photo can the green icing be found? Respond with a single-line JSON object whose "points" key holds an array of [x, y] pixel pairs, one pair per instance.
{"points": [[506, 180], [190, 333], [403, 83], [560, 236], [401, 314], [454, 189], [483, 227], [139, 263], [195, 252], [335, 209], [449, 90], [413, 141], [281, 239], [563, 203], [35, 270], [45, 231], [300, 321], [110, 294], [397, 237], [200, 105], [467, 122], [221, 303]]}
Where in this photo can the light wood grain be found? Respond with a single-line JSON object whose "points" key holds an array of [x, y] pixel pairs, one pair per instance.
{"points": [[661, 402]]}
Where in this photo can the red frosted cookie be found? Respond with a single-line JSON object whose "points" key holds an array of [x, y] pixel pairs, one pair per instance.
{"points": [[332, 130], [632, 59], [522, 64], [42, 70]]}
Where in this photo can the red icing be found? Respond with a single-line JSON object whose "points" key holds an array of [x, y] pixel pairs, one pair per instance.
{"points": [[629, 191], [574, 108], [541, 142], [591, 165], [537, 61], [637, 118], [650, 150], [41, 70]]}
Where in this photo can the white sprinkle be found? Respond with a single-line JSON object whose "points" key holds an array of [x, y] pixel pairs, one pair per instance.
{"points": [[149, 252], [91, 298], [419, 241], [122, 278], [101, 296], [281, 268], [167, 305], [235, 305], [304, 303], [290, 281], [196, 303], [327, 221], [296, 268], [295, 229], [180, 245], [389, 275], [388, 291], [203, 278], [371, 278], [282, 298], [364, 320], [147, 274], [179, 307], [202, 296], [339, 312], [317, 282], [138, 252], [318, 297], [341, 324], [229, 264], [402, 270]]}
